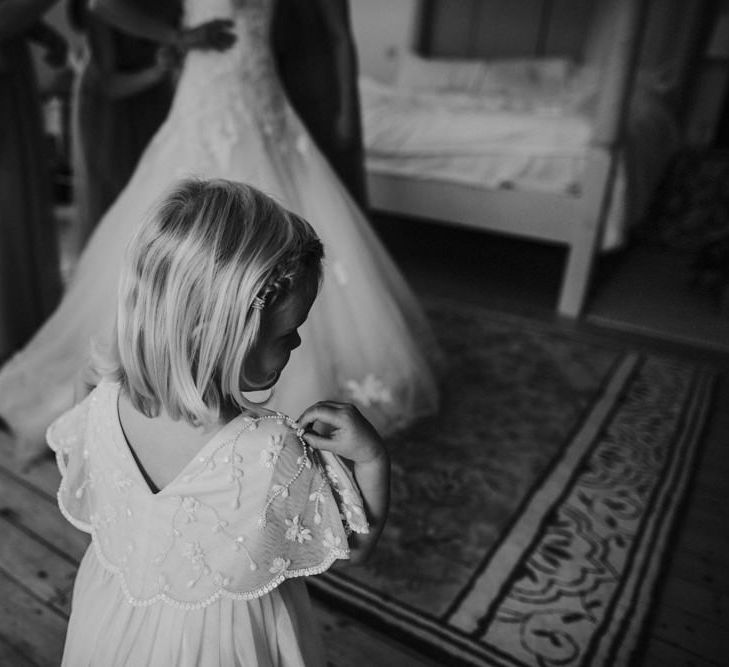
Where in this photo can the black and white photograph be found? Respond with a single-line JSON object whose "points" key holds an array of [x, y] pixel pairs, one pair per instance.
{"points": [[364, 333]]}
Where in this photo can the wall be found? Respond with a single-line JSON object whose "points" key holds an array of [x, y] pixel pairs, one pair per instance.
{"points": [[382, 30]]}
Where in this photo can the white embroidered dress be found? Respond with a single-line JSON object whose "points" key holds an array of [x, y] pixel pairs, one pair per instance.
{"points": [[366, 339], [208, 570]]}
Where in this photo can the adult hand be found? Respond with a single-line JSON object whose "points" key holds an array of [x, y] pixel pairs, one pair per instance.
{"points": [[214, 35]]}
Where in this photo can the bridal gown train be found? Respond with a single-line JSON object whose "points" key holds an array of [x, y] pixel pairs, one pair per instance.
{"points": [[366, 340]]}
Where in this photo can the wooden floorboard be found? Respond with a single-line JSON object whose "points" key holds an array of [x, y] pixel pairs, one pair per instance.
{"points": [[40, 570], [660, 653], [694, 634], [349, 643], [29, 625], [12, 657], [702, 601], [689, 623], [23, 508]]}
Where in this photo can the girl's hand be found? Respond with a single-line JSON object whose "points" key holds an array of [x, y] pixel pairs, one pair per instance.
{"points": [[213, 35], [341, 429]]}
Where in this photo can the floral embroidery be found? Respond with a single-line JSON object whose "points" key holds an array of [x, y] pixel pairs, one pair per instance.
{"points": [[190, 506], [368, 391], [340, 273], [220, 579], [279, 565], [238, 544], [332, 475], [87, 482], [122, 483], [331, 541], [318, 498], [318, 495], [350, 500], [296, 532], [269, 456], [107, 515], [194, 552], [278, 489], [304, 460]]}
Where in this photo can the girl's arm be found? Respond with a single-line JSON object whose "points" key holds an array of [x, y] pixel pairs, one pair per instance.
{"points": [[127, 17], [373, 479], [336, 18], [341, 429], [17, 16]]}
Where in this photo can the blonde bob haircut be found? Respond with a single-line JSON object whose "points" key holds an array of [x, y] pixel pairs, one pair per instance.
{"points": [[196, 281]]}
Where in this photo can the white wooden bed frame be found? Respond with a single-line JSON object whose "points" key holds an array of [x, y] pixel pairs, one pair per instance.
{"points": [[576, 221]]}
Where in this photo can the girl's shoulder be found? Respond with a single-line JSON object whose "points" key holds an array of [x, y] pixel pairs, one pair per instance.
{"points": [[70, 428]]}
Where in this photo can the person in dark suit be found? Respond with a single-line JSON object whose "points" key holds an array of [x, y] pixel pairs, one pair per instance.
{"points": [[317, 62], [30, 281]]}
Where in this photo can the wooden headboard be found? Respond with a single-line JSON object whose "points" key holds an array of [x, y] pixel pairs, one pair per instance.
{"points": [[504, 28], [579, 29]]}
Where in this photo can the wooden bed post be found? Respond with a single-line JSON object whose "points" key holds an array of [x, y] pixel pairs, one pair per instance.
{"points": [[616, 86]]}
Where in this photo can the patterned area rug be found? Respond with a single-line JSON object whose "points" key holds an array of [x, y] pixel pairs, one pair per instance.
{"points": [[528, 521], [691, 206]]}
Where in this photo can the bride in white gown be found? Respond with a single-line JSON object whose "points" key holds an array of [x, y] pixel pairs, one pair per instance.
{"points": [[367, 339]]}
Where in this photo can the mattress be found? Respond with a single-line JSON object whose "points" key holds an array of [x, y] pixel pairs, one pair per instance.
{"points": [[520, 138]]}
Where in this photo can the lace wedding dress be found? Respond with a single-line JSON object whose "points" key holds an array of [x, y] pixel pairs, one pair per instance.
{"points": [[366, 339]]}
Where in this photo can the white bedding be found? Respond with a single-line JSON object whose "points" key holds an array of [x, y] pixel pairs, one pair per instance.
{"points": [[529, 137]]}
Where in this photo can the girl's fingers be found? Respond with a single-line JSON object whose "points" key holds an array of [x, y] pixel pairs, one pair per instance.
{"points": [[317, 441], [328, 412]]}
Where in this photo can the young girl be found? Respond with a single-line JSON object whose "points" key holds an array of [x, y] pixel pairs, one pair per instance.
{"points": [[205, 509]]}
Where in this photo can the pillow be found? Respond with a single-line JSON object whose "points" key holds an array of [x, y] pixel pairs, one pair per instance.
{"points": [[525, 73], [455, 75], [482, 77]]}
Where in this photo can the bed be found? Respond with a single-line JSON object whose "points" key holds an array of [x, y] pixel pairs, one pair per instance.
{"points": [[542, 146]]}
